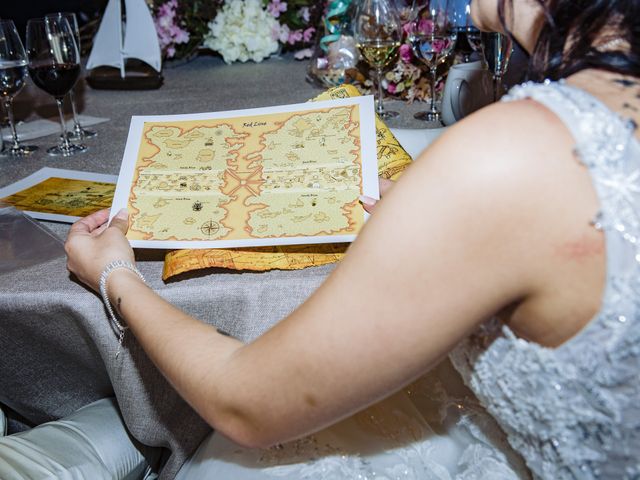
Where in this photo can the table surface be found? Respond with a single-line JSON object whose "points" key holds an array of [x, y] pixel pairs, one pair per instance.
{"points": [[58, 352]]}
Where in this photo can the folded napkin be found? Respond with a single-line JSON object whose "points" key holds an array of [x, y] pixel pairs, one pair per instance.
{"points": [[392, 160], [43, 127]]}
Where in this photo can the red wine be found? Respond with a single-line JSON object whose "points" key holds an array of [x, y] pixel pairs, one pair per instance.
{"points": [[12, 75], [56, 80]]}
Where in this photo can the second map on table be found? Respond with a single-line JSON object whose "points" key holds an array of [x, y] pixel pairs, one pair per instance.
{"points": [[263, 178]]}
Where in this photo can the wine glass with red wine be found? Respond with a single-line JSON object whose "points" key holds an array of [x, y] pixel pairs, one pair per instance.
{"points": [[79, 132], [54, 66], [13, 73]]}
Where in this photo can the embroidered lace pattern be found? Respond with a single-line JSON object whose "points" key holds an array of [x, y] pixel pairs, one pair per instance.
{"points": [[573, 412]]}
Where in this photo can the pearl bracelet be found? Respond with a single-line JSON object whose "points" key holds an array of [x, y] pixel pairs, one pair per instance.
{"points": [[114, 265]]}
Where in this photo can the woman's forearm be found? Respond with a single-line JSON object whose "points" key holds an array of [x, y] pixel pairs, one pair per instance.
{"points": [[193, 356]]}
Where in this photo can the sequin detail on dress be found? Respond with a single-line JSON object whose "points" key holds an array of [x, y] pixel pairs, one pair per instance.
{"points": [[573, 412]]}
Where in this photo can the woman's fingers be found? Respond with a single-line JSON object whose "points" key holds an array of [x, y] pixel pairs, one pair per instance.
{"points": [[369, 203], [385, 185], [89, 223], [121, 221]]}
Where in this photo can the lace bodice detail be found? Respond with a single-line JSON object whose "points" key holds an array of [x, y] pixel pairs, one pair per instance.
{"points": [[573, 412]]}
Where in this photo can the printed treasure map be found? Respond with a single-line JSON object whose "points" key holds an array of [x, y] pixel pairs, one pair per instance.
{"points": [[273, 176], [59, 194]]}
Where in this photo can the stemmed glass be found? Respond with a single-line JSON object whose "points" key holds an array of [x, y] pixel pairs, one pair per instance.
{"points": [[78, 131], [498, 48], [433, 43], [54, 66], [378, 32], [469, 38], [13, 72]]}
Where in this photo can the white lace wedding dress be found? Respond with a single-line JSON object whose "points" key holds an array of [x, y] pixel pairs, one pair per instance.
{"points": [[571, 412]]}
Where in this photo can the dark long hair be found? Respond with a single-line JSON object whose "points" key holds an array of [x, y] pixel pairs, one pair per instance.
{"points": [[566, 42]]}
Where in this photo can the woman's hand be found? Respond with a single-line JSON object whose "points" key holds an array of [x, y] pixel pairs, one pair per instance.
{"points": [[92, 244], [370, 203]]}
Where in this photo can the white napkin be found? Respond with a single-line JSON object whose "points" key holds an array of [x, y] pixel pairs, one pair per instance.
{"points": [[44, 126], [415, 140]]}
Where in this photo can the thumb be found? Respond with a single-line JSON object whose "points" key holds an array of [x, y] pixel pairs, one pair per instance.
{"points": [[368, 203], [121, 221]]}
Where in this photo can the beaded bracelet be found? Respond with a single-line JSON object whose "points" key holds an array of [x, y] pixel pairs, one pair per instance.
{"points": [[114, 265]]}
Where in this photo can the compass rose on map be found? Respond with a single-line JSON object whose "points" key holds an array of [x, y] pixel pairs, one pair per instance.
{"points": [[210, 228]]}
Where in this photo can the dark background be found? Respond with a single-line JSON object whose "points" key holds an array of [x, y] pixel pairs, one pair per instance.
{"points": [[22, 10]]}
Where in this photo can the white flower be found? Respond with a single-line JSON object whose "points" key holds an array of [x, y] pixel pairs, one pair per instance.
{"points": [[242, 30]]}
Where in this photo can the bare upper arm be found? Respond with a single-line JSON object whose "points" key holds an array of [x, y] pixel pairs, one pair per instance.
{"points": [[443, 251]]}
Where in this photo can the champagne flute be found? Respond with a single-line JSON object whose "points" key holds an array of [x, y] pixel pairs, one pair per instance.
{"points": [[13, 72], [498, 48], [54, 66], [468, 36], [378, 32], [433, 43], [78, 131]]}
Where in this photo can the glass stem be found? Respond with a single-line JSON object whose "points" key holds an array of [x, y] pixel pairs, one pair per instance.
{"points": [[65, 141], [380, 108], [433, 89], [8, 105], [76, 123], [497, 87]]}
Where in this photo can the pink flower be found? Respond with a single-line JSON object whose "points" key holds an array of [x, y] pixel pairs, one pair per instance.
{"points": [[169, 31], [406, 55], [179, 35], [276, 7], [391, 88], [294, 37], [307, 35], [441, 44], [425, 26]]}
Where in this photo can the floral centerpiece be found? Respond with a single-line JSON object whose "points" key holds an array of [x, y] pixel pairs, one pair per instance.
{"points": [[239, 30], [243, 30]]}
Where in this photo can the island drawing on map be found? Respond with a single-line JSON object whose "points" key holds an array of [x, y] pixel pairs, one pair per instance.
{"points": [[265, 177]]}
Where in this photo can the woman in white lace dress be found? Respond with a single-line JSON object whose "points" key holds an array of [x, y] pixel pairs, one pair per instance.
{"points": [[511, 245]]}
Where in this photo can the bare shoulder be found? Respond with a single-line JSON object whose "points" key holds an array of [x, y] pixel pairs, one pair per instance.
{"points": [[514, 133]]}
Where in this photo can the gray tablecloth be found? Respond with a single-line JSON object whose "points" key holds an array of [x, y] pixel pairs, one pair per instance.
{"points": [[57, 350]]}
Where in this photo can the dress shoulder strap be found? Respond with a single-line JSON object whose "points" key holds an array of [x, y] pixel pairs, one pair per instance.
{"points": [[601, 134]]}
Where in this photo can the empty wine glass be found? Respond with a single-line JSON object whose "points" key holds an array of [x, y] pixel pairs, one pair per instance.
{"points": [[498, 48], [13, 72], [54, 66], [434, 41], [78, 132], [378, 32], [469, 39]]}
